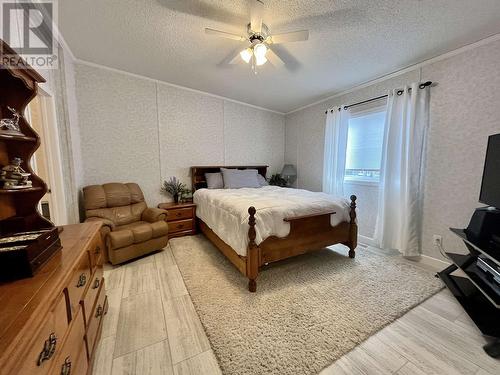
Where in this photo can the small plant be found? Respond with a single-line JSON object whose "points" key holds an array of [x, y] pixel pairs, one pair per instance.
{"points": [[277, 180], [174, 187]]}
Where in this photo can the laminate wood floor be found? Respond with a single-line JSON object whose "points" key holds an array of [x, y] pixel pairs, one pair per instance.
{"points": [[152, 328]]}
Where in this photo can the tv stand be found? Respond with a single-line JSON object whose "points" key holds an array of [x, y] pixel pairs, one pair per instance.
{"points": [[476, 296]]}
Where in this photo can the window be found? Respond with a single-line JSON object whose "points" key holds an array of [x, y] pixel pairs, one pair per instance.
{"points": [[364, 145]]}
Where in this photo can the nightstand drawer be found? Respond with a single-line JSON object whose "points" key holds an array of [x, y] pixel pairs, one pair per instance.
{"points": [[180, 225], [179, 214]]}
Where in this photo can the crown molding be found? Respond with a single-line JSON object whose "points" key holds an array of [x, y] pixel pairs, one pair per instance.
{"points": [[404, 70], [94, 65]]}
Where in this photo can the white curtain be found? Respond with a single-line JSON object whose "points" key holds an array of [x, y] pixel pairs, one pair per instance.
{"points": [[335, 151], [401, 181]]}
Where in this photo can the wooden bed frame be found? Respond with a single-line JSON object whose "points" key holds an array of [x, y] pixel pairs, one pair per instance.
{"points": [[307, 233]]}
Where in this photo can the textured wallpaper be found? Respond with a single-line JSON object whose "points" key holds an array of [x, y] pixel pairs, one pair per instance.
{"points": [[135, 129], [464, 111], [118, 129], [252, 136], [191, 131]]}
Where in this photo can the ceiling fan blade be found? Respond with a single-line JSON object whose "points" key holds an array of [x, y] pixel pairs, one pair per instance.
{"points": [[295, 36], [274, 59], [256, 13], [224, 34], [233, 57]]}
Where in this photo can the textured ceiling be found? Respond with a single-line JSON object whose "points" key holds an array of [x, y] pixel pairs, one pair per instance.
{"points": [[350, 41]]}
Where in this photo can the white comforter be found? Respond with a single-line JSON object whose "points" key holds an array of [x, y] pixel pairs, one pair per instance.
{"points": [[225, 211]]}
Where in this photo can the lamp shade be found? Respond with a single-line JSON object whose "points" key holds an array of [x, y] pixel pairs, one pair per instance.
{"points": [[289, 170]]}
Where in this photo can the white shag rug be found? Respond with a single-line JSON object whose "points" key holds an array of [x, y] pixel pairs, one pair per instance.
{"points": [[308, 311]]}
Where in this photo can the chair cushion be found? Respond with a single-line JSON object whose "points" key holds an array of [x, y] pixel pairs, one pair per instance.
{"points": [[142, 233], [121, 238], [131, 225], [160, 228], [111, 195]]}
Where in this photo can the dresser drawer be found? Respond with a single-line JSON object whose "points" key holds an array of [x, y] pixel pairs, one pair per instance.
{"points": [[180, 225], [47, 342], [80, 278], [179, 214], [100, 309], [72, 354], [92, 292]]}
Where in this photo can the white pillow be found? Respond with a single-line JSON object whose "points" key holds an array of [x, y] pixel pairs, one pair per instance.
{"points": [[214, 180], [236, 179], [262, 180]]}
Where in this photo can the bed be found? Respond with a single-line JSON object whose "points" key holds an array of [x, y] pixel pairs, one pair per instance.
{"points": [[256, 226]]}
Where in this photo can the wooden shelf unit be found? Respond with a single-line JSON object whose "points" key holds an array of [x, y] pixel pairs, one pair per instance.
{"points": [[18, 207]]}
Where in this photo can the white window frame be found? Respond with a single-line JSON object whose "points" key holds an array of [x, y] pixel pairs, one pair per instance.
{"points": [[363, 111]]}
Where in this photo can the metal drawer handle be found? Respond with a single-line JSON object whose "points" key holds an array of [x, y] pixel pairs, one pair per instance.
{"points": [[49, 348], [66, 367], [180, 226], [179, 213], [98, 311], [97, 282], [97, 250], [82, 280]]}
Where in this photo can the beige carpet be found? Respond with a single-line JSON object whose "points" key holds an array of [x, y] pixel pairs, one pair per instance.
{"points": [[308, 311]]}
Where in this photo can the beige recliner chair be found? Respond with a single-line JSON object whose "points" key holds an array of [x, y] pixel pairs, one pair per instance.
{"points": [[130, 228]]}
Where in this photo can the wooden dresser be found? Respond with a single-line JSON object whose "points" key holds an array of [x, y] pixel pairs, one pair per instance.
{"points": [[50, 323], [181, 218]]}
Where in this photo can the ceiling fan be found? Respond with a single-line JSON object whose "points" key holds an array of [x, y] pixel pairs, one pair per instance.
{"points": [[259, 51]]}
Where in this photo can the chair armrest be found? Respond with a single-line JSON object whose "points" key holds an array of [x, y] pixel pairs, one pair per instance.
{"points": [[152, 215], [107, 225]]}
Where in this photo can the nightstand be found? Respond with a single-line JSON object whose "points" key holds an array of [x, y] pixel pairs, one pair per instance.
{"points": [[181, 218]]}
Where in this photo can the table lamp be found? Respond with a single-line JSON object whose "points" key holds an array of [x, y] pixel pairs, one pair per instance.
{"points": [[289, 173]]}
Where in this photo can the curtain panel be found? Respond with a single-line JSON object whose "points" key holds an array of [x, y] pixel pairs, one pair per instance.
{"points": [[336, 129], [399, 222]]}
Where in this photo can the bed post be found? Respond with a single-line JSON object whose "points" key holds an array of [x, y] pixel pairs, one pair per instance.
{"points": [[353, 230], [253, 253]]}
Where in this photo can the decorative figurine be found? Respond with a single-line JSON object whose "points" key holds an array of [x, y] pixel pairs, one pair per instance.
{"points": [[11, 125], [14, 177]]}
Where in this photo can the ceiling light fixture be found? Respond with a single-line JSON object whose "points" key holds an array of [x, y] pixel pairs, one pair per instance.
{"points": [[258, 51], [246, 55]]}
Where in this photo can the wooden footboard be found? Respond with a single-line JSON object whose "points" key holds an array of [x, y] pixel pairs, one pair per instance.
{"points": [[307, 233]]}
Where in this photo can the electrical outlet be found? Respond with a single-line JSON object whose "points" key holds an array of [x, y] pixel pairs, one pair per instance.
{"points": [[438, 240]]}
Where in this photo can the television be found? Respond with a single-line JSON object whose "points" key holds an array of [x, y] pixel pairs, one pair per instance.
{"points": [[490, 187], [484, 225]]}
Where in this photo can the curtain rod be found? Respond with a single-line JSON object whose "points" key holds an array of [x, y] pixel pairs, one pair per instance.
{"points": [[398, 92]]}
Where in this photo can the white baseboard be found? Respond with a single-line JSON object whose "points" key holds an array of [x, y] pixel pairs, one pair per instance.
{"points": [[426, 260], [434, 263]]}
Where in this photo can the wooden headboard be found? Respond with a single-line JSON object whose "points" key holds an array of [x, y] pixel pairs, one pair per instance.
{"points": [[198, 173]]}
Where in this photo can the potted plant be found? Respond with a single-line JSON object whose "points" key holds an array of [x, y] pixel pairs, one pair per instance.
{"points": [[277, 180], [174, 187]]}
